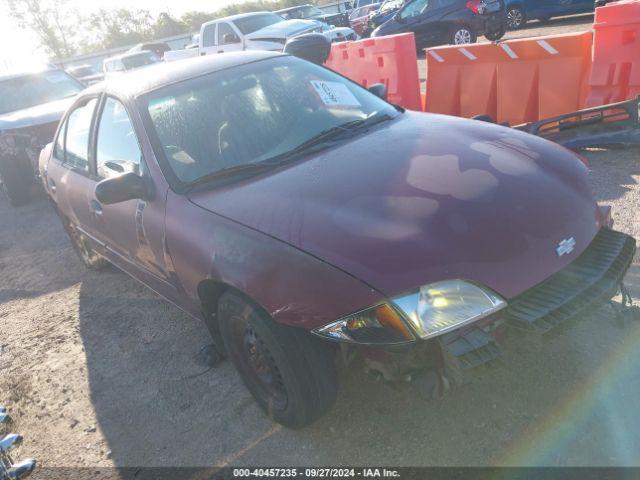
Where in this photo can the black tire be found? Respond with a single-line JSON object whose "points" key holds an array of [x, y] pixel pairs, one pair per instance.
{"points": [[16, 180], [291, 375], [515, 18], [462, 35], [82, 247], [497, 35]]}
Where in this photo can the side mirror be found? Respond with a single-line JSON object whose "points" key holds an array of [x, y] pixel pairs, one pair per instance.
{"points": [[228, 38], [379, 90], [314, 47], [127, 186]]}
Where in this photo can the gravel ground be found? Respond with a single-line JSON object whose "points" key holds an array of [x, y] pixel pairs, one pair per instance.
{"points": [[98, 371]]}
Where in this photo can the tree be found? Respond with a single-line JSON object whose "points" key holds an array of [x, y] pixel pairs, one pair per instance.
{"points": [[193, 20], [45, 19], [118, 28], [166, 26]]}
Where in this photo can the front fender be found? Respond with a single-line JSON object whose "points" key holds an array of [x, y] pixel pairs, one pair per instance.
{"points": [[294, 287]]}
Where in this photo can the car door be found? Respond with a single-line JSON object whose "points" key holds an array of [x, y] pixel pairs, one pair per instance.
{"points": [[418, 17], [69, 176], [133, 230], [439, 20], [228, 39], [208, 39]]}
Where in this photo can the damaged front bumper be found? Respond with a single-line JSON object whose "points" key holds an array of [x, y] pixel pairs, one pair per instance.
{"points": [[615, 124], [588, 282]]}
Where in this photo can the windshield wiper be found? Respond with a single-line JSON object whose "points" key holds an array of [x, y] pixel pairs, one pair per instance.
{"points": [[319, 139], [331, 134], [251, 168]]}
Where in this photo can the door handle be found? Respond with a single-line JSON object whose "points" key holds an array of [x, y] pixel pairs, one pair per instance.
{"points": [[52, 185], [95, 207]]}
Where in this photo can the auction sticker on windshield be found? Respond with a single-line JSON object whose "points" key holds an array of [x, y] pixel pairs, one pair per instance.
{"points": [[335, 94]]}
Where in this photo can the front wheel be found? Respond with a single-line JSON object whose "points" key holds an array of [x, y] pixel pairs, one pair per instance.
{"points": [[515, 18], [291, 375], [463, 36]]}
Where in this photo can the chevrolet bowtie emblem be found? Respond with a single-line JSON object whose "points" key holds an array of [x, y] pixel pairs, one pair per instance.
{"points": [[566, 246]]}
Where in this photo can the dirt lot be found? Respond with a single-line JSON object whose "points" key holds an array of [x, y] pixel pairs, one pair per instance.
{"points": [[98, 371]]}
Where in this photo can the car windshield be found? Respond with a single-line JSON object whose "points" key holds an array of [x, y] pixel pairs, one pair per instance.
{"points": [[254, 23], [34, 89], [253, 113], [139, 60]]}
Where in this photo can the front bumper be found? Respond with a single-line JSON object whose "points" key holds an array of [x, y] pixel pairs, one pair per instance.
{"points": [[588, 282]]}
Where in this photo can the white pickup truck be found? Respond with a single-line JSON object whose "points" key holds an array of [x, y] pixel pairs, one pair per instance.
{"points": [[255, 31]]}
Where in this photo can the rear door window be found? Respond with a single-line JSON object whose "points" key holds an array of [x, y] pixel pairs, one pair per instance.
{"points": [[209, 35], [76, 154]]}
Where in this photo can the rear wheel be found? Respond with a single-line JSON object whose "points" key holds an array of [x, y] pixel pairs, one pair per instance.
{"points": [[291, 375], [463, 36], [515, 18], [82, 247]]}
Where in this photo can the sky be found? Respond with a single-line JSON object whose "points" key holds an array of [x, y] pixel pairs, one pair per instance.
{"points": [[17, 44]]}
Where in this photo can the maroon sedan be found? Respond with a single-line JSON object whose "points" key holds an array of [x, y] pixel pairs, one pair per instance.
{"points": [[296, 212]]}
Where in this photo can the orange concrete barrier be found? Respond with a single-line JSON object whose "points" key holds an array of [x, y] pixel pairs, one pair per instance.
{"points": [[390, 60], [615, 74], [515, 81]]}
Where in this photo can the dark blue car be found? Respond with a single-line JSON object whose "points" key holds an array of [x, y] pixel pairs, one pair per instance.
{"points": [[520, 11]]}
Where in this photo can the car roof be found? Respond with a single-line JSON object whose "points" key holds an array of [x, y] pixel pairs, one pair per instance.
{"points": [[127, 54], [236, 17], [284, 10], [136, 82], [30, 70]]}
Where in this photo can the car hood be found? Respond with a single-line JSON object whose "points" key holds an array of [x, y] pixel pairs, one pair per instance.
{"points": [[38, 115], [284, 29], [425, 198]]}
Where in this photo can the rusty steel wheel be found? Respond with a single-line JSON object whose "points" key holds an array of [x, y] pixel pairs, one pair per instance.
{"points": [[290, 373], [81, 245]]}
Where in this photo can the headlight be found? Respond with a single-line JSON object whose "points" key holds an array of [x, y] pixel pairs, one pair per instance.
{"points": [[381, 324], [433, 310], [444, 306]]}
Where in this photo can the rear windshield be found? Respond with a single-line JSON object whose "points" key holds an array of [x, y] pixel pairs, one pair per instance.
{"points": [[256, 22], [34, 89]]}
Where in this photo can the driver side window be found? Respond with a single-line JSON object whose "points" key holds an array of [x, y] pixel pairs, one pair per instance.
{"points": [[118, 150], [226, 35], [415, 8]]}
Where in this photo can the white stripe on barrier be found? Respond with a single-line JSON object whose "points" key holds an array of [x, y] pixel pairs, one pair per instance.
{"points": [[509, 50], [467, 53], [435, 56], [547, 47]]}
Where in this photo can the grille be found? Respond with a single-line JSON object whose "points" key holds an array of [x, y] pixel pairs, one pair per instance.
{"points": [[593, 277]]}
